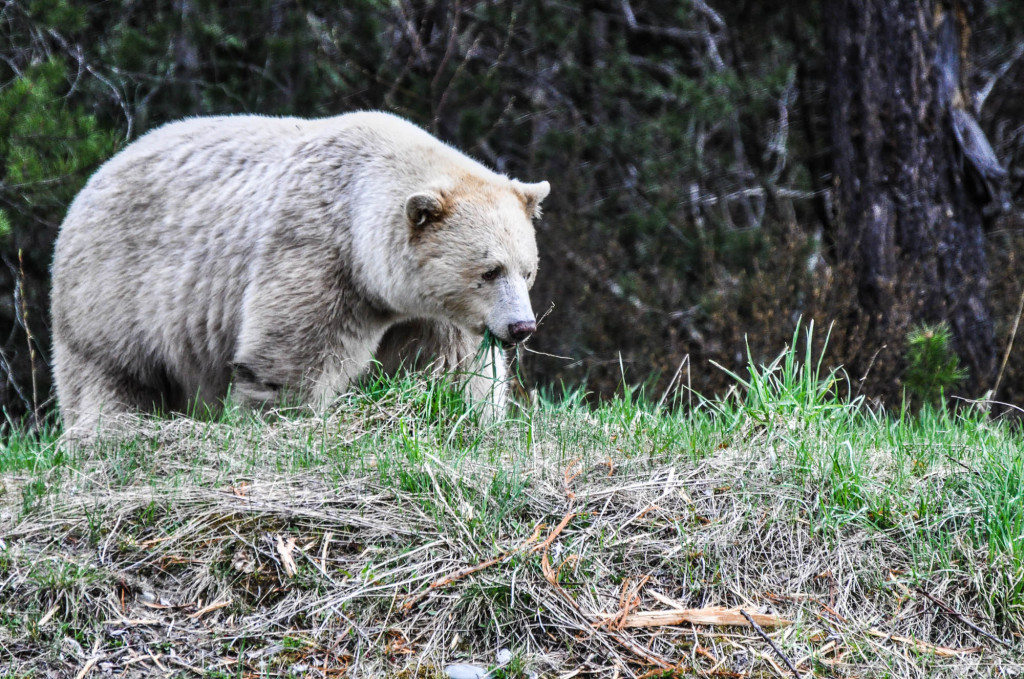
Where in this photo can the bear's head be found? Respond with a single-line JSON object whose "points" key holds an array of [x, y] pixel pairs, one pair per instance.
{"points": [[476, 253]]}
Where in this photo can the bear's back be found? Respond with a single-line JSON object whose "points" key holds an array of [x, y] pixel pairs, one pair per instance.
{"points": [[154, 256]]}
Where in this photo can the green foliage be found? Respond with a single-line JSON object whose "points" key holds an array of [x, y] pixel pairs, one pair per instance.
{"points": [[47, 145], [789, 387], [933, 369], [1008, 14], [60, 15]]}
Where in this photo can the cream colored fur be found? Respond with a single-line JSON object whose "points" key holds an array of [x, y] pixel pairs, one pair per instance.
{"points": [[274, 255]]}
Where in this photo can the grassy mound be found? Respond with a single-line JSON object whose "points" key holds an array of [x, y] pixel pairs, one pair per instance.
{"points": [[396, 535]]}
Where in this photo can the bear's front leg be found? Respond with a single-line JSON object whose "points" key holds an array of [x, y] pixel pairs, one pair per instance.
{"points": [[297, 364], [306, 331], [444, 348], [278, 351], [256, 385], [487, 381]]}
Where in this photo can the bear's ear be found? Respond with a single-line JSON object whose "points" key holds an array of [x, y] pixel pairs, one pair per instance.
{"points": [[424, 208], [533, 195]]}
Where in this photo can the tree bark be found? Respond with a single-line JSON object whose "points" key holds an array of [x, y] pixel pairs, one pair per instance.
{"points": [[909, 217]]}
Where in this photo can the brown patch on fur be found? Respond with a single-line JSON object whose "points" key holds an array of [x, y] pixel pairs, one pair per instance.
{"points": [[467, 187], [447, 205], [485, 191], [530, 205], [472, 185]]}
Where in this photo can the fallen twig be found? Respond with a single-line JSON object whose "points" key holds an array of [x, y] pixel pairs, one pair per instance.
{"points": [[1009, 344], [616, 621], [552, 577], [185, 665], [712, 615], [458, 575], [554, 533], [778, 651], [210, 608], [285, 549], [88, 666], [641, 652], [949, 609], [49, 614], [943, 651]]}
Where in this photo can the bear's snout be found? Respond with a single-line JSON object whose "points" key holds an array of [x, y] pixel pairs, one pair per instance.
{"points": [[520, 330]]}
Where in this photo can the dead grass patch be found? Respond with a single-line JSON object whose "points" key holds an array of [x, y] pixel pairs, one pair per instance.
{"points": [[379, 541]]}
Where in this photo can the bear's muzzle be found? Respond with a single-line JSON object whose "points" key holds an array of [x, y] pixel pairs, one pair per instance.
{"points": [[520, 330]]}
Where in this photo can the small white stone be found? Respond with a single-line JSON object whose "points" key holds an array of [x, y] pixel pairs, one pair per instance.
{"points": [[461, 671]]}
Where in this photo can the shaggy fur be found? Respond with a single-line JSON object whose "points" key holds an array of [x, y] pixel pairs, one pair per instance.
{"points": [[274, 254]]}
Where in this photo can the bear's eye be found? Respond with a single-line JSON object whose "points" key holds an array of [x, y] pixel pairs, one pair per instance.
{"points": [[492, 274]]}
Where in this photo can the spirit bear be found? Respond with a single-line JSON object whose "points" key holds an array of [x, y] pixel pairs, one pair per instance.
{"points": [[280, 256]]}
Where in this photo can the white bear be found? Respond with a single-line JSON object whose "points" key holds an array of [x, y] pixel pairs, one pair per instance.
{"points": [[273, 255]]}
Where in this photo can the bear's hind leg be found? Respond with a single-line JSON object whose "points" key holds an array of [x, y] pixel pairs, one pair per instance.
{"points": [[89, 396]]}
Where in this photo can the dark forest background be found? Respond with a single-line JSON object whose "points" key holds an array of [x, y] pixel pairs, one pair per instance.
{"points": [[720, 169]]}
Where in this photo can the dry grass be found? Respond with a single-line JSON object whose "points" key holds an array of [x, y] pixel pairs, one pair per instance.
{"points": [[395, 536]]}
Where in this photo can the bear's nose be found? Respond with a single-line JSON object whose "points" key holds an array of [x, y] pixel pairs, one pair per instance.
{"points": [[521, 330]]}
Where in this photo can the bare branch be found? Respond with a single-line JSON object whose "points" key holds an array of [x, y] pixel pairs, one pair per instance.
{"points": [[1004, 68]]}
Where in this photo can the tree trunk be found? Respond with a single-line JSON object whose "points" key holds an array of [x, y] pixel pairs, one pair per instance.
{"points": [[909, 214]]}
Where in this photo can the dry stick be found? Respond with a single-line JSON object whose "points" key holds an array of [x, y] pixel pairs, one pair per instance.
{"points": [[641, 652], [1009, 346], [569, 479], [5, 368], [685, 361], [552, 577], [631, 601], [778, 651], [959, 616], [554, 534], [185, 665], [452, 577], [712, 615], [627, 601], [458, 575], [689, 383], [209, 609], [917, 644], [88, 666], [29, 339], [860, 382]]}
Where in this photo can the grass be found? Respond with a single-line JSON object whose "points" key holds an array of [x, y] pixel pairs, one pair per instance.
{"points": [[397, 534]]}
